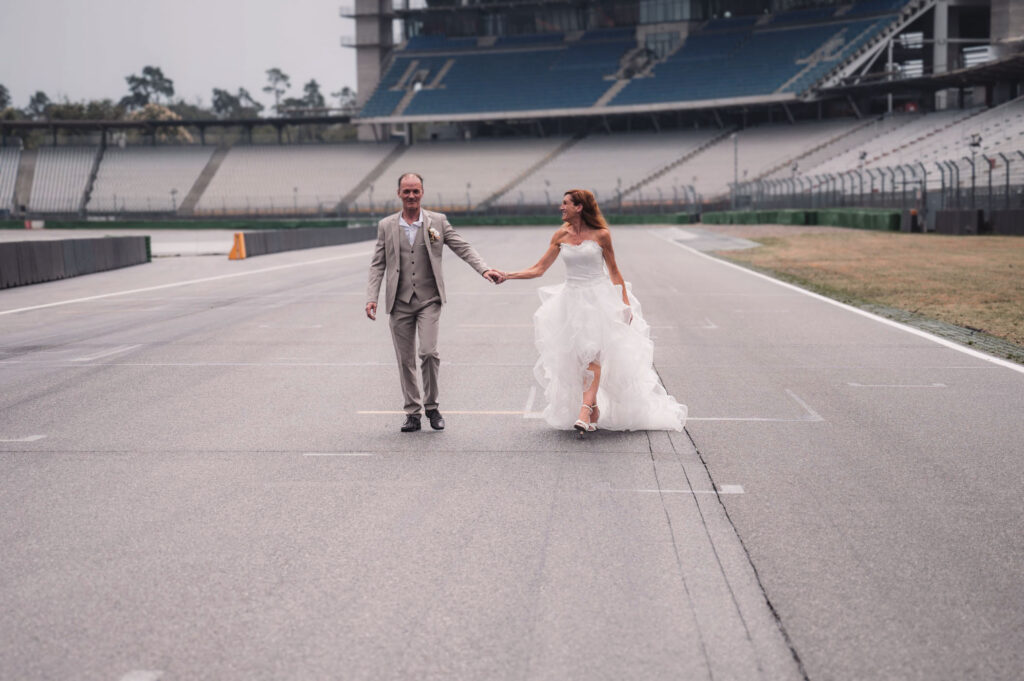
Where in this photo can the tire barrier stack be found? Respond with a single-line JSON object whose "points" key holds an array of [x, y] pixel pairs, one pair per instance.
{"points": [[33, 262], [249, 244]]}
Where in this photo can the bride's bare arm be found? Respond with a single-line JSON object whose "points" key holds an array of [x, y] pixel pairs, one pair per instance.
{"points": [[604, 239], [545, 261]]}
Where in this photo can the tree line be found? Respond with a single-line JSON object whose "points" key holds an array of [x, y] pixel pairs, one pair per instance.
{"points": [[151, 95]]}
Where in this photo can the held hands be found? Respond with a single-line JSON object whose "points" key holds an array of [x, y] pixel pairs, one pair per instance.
{"points": [[495, 276], [371, 311]]}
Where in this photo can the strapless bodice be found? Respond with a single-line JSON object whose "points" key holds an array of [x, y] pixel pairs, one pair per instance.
{"points": [[584, 263]]}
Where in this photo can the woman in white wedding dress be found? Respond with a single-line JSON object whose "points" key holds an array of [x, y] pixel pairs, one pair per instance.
{"points": [[596, 356]]}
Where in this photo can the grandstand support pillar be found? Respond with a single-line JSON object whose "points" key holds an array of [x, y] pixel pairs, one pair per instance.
{"points": [[718, 119], [789, 114], [940, 49], [853, 105]]}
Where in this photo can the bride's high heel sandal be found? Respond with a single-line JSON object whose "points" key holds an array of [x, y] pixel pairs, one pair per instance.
{"points": [[582, 426], [595, 414]]}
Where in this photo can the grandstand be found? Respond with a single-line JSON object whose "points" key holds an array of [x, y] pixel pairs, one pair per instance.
{"points": [[607, 164], [289, 179], [721, 61], [673, 114], [61, 176], [146, 179], [9, 157], [461, 175]]}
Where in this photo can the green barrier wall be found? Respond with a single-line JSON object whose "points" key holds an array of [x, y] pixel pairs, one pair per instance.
{"points": [[857, 218]]}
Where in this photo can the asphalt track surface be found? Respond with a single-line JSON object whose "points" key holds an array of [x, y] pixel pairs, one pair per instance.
{"points": [[203, 478]]}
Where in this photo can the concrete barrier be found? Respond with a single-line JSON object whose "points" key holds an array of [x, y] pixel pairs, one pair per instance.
{"points": [[33, 262], [958, 221], [249, 244], [1008, 222]]}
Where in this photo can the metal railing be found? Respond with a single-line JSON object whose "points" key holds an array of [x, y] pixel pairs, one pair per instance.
{"points": [[980, 181]]}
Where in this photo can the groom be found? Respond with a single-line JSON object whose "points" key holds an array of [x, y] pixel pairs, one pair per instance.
{"points": [[408, 250]]}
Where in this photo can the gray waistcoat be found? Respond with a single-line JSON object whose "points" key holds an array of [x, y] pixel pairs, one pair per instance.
{"points": [[415, 274]]}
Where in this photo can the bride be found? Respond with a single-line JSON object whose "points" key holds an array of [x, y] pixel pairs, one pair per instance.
{"points": [[591, 334]]}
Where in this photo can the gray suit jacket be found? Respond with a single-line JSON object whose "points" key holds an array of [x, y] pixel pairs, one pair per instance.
{"points": [[386, 254]]}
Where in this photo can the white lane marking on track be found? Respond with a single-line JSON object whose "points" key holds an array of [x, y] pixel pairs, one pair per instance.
{"points": [[185, 283], [338, 454], [811, 414], [882, 385], [683, 235], [30, 438], [291, 326], [142, 675], [496, 326], [864, 313], [811, 417], [708, 324], [108, 353]]}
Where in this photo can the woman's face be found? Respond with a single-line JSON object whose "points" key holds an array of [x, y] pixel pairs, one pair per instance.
{"points": [[569, 209]]}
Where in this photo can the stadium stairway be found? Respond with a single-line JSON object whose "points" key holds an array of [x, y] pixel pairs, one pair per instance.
{"points": [[26, 178], [814, 150], [370, 178], [557, 151], [931, 133], [679, 161], [188, 204], [91, 182]]}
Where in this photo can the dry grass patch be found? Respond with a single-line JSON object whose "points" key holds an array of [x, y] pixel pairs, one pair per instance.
{"points": [[974, 282]]}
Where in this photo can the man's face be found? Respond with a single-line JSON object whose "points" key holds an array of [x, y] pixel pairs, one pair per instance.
{"points": [[410, 191]]}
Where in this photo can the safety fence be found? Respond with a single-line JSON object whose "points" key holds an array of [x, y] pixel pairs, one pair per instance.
{"points": [[988, 183]]}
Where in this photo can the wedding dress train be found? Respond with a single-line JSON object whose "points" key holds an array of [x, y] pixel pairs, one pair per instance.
{"points": [[584, 320]]}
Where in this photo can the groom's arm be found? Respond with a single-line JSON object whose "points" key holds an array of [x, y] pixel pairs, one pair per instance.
{"points": [[462, 249], [377, 266]]}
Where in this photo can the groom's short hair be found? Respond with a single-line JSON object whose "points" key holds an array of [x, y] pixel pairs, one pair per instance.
{"points": [[405, 175]]}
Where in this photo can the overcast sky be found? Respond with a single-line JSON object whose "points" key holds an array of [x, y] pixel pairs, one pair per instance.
{"points": [[83, 49]]}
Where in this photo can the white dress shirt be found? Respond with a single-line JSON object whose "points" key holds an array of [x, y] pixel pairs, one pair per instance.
{"points": [[410, 230]]}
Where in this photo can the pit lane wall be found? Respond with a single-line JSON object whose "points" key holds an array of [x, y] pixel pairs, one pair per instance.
{"points": [[34, 262]]}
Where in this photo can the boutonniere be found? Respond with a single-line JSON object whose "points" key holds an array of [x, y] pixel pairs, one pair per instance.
{"points": [[434, 236]]}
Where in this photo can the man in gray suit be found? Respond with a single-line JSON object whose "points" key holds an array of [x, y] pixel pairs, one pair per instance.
{"points": [[408, 251]]}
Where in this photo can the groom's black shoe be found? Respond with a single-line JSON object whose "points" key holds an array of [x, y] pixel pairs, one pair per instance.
{"points": [[436, 420], [412, 423]]}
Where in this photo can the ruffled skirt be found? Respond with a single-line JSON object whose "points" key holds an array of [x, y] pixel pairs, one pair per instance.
{"points": [[579, 324]]}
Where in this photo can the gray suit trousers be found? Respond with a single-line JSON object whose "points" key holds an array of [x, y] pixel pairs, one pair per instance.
{"points": [[409, 320]]}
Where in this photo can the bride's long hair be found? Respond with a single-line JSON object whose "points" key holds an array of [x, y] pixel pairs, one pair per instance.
{"points": [[591, 214]]}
